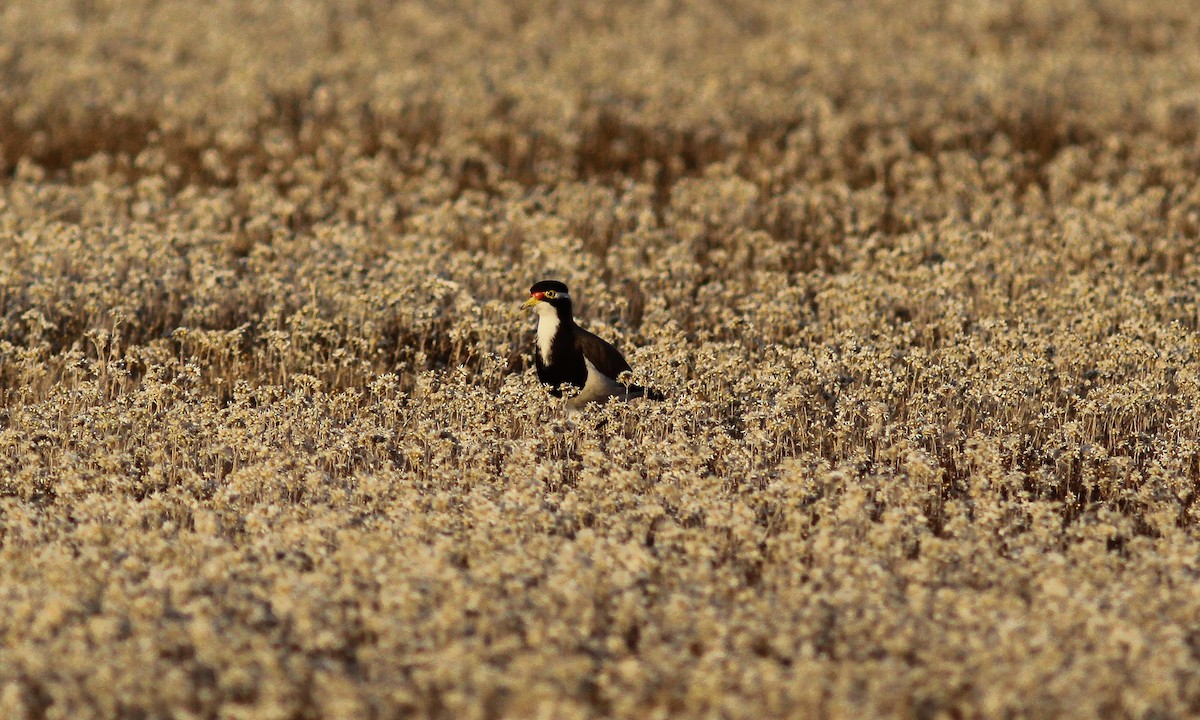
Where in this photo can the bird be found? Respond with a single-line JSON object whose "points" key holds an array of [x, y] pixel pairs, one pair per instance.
{"points": [[566, 354]]}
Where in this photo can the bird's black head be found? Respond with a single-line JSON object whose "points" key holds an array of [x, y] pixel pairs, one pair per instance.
{"points": [[552, 292]]}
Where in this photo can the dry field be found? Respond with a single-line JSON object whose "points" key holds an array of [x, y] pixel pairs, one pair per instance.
{"points": [[920, 278]]}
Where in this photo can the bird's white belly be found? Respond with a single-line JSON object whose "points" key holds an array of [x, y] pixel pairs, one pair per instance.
{"points": [[547, 329], [598, 386]]}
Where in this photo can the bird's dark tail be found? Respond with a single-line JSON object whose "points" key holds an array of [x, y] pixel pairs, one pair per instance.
{"points": [[637, 391]]}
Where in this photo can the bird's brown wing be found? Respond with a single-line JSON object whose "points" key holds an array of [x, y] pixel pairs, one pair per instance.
{"points": [[602, 354]]}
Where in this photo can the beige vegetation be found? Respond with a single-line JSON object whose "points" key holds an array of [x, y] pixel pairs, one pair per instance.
{"points": [[920, 279]]}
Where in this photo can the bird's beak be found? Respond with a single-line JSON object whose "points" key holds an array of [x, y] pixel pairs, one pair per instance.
{"points": [[533, 300]]}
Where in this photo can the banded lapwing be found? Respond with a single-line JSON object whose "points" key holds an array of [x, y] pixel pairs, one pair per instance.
{"points": [[566, 354]]}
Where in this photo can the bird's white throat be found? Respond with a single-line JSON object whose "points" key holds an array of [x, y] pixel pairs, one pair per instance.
{"points": [[547, 329]]}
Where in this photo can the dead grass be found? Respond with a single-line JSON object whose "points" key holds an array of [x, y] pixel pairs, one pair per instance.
{"points": [[920, 280]]}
